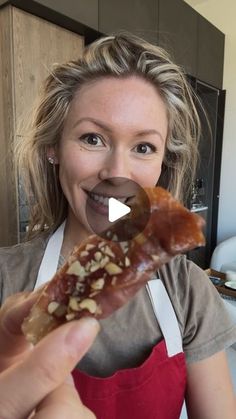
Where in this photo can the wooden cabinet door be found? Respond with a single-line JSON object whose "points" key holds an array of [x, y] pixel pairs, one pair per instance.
{"points": [[29, 46], [37, 45], [8, 200]]}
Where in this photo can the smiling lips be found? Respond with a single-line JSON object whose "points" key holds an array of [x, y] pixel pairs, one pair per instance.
{"points": [[104, 200]]}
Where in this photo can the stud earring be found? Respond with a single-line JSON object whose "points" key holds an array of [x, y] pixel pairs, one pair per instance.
{"points": [[51, 160]]}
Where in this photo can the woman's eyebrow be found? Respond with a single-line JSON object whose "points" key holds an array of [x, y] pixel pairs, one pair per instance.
{"points": [[105, 127], [149, 132], [94, 121]]}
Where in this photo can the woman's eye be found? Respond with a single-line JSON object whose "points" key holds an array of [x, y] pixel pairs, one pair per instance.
{"points": [[91, 139], [145, 148]]}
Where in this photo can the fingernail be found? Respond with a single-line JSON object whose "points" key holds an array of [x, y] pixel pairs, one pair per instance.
{"points": [[69, 380], [89, 324], [83, 331]]}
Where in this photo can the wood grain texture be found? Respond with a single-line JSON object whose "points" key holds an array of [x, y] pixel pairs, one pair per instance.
{"points": [[29, 46], [8, 192], [38, 44]]}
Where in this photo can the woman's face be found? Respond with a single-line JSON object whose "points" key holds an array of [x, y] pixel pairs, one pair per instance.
{"points": [[114, 128]]}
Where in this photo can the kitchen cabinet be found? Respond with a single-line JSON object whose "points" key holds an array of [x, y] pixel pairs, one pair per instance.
{"points": [[28, 47], [210, 53], [80, 17], [206, 187], [85, 12], [199, 254], [177, 26], [193, 42], [136, 16]]}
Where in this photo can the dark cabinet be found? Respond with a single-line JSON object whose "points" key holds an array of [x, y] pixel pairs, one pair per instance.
{"points": [[193, 42], [136, 16], [210, 53], [85, 12], [178, 33], [198, 255], [206, 168], [205, 196]]}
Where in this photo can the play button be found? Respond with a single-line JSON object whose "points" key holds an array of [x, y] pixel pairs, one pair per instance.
{"points": [[117, 209]]}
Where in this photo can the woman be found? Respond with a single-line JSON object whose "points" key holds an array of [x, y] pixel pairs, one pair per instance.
{"points": [[124, 110]]}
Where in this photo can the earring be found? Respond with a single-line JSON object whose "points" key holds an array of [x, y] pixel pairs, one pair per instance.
{"points": [[51, 160]]}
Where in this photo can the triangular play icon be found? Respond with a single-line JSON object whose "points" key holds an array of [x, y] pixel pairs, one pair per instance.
{"points": [[116, 209]]}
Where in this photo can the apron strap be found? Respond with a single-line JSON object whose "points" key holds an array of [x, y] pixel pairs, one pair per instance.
{"points": [[51, 255], [165, 315]]}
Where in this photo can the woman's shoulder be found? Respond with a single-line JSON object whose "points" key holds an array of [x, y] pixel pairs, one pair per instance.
{"points": [[204, 322], [19, 265], [188, 286], [181, 273], [22, 249]]}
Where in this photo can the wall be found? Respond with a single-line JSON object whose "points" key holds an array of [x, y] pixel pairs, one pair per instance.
{"points": [[222, 15]]}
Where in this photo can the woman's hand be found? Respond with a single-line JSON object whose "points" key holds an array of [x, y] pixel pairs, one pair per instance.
{"points": [[35, 381]]}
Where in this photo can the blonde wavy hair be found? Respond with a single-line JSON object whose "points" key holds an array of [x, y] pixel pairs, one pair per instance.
{"points": [[118, 55]]}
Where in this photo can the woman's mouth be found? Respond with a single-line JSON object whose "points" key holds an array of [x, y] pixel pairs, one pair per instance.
{"points": [[105, 199], [100, 203]]}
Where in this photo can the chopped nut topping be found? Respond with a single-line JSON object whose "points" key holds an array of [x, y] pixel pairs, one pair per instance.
{"points": [[74, 304], [94, 267], [113, 281], [87, 266], [98, 284], [127, 261], [52, 307], [104, 261], [113, 269], [124, 246], [108, 251], [115, 237], [72, 258], [140, 238], [156, 258], [84, 253], [70, 316], [90, 246], [98, 256], [89, 304], [60, 311], [101, 244], [76, 269], [79, 287], [93, 294], [99, 310]]}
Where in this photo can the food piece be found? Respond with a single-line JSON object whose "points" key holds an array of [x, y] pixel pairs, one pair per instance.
{"points": [[102, 275]]}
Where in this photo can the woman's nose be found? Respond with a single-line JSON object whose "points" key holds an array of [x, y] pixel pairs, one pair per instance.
{"points": [[115, 165]]}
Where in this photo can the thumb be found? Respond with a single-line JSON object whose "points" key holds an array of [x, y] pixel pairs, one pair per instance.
{"points": [[46, 367]]}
